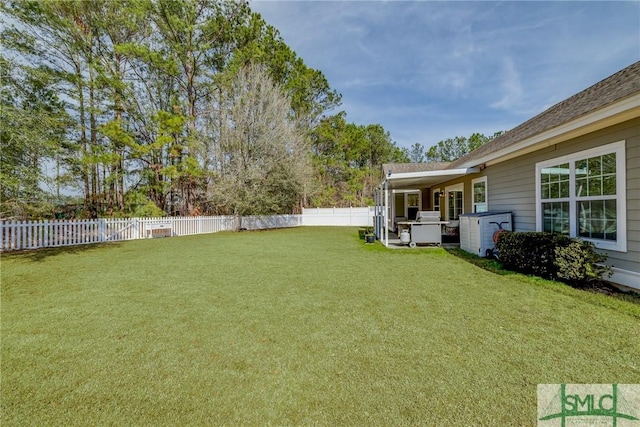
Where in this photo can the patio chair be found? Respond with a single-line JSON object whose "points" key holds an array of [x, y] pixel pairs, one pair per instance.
{"points": [[452, 229]]}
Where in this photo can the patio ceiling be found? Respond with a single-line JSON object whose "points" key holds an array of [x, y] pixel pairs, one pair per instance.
{"points": [[425, 179]]}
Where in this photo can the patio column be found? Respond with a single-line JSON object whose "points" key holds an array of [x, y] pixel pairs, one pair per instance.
{"points": [[386, 212], [379, 218], [376, 212]]}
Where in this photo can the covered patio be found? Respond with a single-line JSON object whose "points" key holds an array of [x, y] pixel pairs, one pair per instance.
{"points": [[395, 243], [406, 191]]}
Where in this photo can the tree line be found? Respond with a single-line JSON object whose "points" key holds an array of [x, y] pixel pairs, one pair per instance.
{"points": [[178, 107], [448, 149]]}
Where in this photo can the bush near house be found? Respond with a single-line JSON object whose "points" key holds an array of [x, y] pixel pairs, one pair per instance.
{"points": [[579, 263], [531, 252], [552, 256]]}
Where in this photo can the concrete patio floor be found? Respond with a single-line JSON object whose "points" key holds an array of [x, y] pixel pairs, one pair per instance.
{"points": [[395, 243]]}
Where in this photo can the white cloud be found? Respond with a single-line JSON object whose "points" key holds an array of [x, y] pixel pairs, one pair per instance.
{"points": [[422, 67], [456, 80], [512, 87]]}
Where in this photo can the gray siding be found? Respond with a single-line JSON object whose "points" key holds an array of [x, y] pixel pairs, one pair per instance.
{"points": [[511, 185], [633, 200]]}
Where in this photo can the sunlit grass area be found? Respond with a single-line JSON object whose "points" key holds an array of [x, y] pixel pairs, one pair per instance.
{"points": [[291, 327]]}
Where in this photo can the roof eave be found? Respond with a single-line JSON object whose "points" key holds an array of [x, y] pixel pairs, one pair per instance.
{"points": [[426, 178], [618, 112], [442, 172]]}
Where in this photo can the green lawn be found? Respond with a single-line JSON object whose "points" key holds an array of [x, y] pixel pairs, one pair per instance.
{"points": [[291, 327]]}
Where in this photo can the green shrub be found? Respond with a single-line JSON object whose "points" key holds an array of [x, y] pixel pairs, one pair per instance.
{"points": [[579, 263], [531, 252], [139, 206], [551, 256]]}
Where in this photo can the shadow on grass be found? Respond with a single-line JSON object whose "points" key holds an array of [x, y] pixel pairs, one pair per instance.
{"points": [[598, 287], [485, 263], [37, 255]]}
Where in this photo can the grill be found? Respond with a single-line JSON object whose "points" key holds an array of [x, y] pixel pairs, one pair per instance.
{"points": [[428, 216], [426, 229]]}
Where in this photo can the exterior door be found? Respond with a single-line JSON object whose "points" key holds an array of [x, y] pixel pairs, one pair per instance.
{"points": [[454, 197], [413, 205]]}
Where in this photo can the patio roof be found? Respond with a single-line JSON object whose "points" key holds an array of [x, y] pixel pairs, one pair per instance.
{"points": [[423, 179]]}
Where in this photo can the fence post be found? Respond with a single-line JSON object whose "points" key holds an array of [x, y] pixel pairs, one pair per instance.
{"points": [[12, 233], [22, 239], [102, 230], [10, 237], [5, 235], [45, 233]]}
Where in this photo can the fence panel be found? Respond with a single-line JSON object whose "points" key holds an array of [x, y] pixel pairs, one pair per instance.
{"points": [[118, 229], [40, 234], [269, 222], [21, 235], [352, 217], [184, 226]]}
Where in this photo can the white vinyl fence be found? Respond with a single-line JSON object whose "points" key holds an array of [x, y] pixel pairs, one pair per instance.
{"points": [[20, 235], [361, 217]]}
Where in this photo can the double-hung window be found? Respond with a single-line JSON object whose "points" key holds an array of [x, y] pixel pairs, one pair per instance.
{"points": [[583, 195], [479, 187]]}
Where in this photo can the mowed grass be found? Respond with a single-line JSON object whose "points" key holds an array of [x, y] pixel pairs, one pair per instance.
{"points": [[292, 327]]}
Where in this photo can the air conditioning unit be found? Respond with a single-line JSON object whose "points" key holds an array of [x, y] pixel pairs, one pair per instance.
{"points": [[477, 231]]}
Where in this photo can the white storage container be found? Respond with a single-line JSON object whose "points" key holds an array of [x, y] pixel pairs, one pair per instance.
{"points": [[477, 230]]}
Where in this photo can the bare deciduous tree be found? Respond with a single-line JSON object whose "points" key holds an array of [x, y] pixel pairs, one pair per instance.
{"points": [[261, 159]]}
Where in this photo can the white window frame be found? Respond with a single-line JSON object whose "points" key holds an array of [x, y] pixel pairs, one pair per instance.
{"points": [[405, 195], [473, 193], [620, 245], [456, 187], [435, 193], [406, 202]]}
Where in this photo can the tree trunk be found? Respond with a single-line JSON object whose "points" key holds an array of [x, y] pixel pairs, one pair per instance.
{"points": [[84, 168], [94, 143]]}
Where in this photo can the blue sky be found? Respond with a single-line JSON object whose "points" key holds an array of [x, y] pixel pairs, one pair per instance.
{"points": [[429, 70]]}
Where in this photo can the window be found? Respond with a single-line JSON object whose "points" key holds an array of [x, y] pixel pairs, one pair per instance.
{"points": [[596, 195], [479, 188], [413, 199], [413, 205], [407, 203], [578, 195], [454, 206], [554, 191], [435, 194]]}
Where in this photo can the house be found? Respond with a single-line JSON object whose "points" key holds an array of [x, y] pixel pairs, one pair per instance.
{"points": [[572, 169]]}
